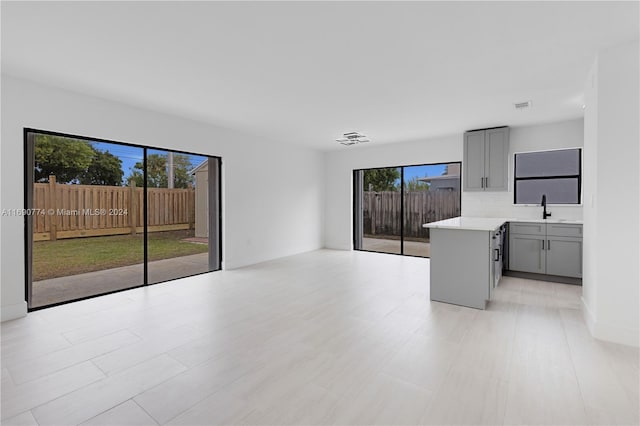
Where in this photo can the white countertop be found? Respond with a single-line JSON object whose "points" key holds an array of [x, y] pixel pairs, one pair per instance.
{"points": [[487, 223], [554, 221], [469, 223]]}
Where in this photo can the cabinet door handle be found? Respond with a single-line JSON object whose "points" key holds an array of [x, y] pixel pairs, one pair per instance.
{"points": [[486, 182], [497, 253], [548, 244], [481, 182], [542, 241]]}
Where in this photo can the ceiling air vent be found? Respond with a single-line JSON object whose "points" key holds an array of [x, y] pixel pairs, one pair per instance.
{"points": [[353, 138], [523, 105]]}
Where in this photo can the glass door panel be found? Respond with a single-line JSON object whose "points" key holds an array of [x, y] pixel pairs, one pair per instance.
{"points": [[381, 210], [431, 193], [178, 238], [87, 227]]}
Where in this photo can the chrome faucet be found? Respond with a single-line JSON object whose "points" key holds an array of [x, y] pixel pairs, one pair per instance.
{"points": [[545, 214]]}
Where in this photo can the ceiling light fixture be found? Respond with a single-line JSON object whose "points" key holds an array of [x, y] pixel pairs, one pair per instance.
{"points": [[522, 105], [353, 138]]}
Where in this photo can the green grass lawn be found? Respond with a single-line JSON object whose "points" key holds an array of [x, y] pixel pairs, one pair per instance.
{"points": [[61, 258]]}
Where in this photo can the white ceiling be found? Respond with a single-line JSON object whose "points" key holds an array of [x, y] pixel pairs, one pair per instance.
{"points": [[306, 72]]}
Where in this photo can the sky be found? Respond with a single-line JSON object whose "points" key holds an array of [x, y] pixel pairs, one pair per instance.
{"points": [[423, 171], [130, 155], [411, 172]]}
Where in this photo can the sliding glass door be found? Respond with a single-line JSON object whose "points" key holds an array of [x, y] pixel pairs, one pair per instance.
{"points": [[391, 205], [105, 216]]}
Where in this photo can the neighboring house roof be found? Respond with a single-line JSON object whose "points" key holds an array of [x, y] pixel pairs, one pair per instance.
{"points": [[443, 177], [199, 167]]}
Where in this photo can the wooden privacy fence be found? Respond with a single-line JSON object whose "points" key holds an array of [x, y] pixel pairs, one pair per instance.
{"points": [[381, 215], [72, 211]]}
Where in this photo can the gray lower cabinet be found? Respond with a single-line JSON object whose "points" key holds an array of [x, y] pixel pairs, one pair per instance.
{"points": [[461, 270], [527, 254], [564, 256], [551, 249]]}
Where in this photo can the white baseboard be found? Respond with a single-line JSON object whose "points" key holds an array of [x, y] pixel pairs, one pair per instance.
{"points": [[14, 311], [232, 264], [609, 332], [615, 334], [340, 243], [338, 246]]}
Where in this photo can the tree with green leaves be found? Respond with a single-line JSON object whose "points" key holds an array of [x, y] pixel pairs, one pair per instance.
{"points": [[75, 161], [65, 158], [105, 169], [381, 179], [416, 185], [181, 168], [157, 171]]}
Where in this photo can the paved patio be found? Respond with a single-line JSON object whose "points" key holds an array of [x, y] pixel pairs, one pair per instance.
{"points": [[55, 290], [412, 248]]}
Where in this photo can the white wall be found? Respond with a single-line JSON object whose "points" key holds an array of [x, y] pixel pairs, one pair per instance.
{"points": [[590, 264], [612, 212], [272, 193], [340, 164]]}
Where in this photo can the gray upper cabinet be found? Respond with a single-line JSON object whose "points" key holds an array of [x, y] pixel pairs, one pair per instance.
{"points": [[485, 159], [496, 158], [474, 161]]}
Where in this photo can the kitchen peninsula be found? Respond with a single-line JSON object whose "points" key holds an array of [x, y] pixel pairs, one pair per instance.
{"points": [[467, 255]]}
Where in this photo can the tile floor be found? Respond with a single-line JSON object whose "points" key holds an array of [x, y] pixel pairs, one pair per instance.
{"points": [[327, 337]]}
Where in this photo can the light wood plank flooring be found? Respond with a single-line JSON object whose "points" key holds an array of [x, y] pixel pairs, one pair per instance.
{"points": [[326, 337]]}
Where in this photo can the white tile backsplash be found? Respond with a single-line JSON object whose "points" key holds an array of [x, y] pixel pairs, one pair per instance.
{"points": [[500, 204]]}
